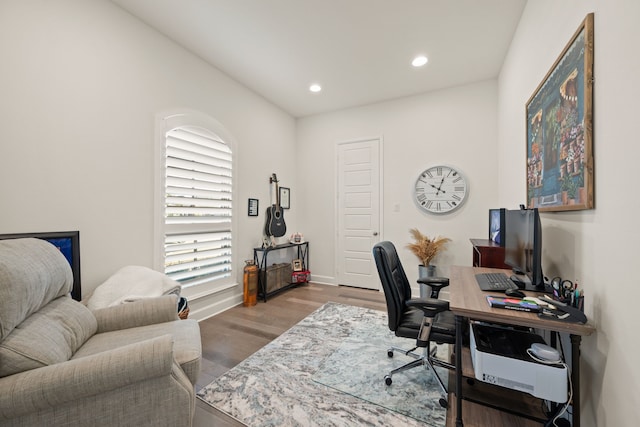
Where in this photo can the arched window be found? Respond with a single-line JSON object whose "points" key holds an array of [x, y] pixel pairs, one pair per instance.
{"points": [[196, 194]]}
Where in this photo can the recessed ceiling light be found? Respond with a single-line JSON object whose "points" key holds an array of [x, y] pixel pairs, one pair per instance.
{"points": [[419, 61], [315, 87]]}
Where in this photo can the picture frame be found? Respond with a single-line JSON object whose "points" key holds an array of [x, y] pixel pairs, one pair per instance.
{"points": [[285, 198], [252, 207], [296, 264], [68, 242], [559, 130]]}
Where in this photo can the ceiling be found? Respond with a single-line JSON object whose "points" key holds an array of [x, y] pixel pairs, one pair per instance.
{"points": [[360, 51]]}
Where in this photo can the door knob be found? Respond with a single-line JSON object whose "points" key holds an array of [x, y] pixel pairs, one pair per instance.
{"points": [[375, 233]]}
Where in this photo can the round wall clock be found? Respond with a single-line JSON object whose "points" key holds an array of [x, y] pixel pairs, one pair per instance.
{"points": [[440, 189]]}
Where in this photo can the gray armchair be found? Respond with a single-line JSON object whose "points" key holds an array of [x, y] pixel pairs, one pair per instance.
{"points": [[61, 364]]}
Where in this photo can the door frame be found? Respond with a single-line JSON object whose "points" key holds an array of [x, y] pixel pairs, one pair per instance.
{"points": [[336, 168]]}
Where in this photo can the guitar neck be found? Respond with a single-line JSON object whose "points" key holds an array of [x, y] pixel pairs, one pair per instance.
{"points": [[274, 179]]}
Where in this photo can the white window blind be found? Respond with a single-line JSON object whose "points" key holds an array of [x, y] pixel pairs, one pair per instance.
{"points": [[198, 206]]}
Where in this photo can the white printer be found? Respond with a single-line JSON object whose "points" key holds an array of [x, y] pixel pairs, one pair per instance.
{"points": [[499, 356]]}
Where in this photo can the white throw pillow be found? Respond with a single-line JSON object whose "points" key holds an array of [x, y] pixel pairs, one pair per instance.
{"points": [[132, 283]]}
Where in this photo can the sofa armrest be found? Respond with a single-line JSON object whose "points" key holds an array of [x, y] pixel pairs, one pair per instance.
{"points": [[146, 311], [54, 385]]}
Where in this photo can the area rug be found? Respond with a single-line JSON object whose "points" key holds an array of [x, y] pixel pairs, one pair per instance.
{"points": [[328, 370]]}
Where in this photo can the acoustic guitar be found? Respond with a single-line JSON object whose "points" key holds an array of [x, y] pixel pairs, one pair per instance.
{"points": [[275, 225]]}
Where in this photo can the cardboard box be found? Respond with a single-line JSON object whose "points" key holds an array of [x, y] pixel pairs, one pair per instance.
{"points": [[278, 276]]}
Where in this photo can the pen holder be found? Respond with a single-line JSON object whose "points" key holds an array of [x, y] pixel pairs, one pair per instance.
{"points": [[573, 300]]}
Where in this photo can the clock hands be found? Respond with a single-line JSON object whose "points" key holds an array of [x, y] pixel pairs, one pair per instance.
{"points": [[439, 189]]}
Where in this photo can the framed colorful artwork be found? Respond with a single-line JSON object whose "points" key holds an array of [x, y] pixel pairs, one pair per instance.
{"points": [[559, 129]]}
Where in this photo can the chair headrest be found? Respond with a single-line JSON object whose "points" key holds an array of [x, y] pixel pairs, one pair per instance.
{"points": [[32, 273], [388, 251]]}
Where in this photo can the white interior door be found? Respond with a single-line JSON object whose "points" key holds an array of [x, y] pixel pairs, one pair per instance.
{"points": [[358, 213]]}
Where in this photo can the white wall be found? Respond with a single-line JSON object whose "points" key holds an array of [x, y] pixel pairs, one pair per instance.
{"points": [[456, 126], [598, 246], [81, 84]]}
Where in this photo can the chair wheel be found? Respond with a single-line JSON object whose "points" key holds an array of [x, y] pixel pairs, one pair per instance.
{"points": [[443, 402], [390, 353], [387, 380]]}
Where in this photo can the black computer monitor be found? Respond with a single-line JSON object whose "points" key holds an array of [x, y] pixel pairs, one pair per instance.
{"points": [[496, 225], [523, 244]]}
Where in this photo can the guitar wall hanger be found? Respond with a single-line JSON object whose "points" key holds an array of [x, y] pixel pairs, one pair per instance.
{"points": [[275, 225]]}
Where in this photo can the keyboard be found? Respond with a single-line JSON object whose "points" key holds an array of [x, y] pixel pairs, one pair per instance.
{"points": [[494, 282]]}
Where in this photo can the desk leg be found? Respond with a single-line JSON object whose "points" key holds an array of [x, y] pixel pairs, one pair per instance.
{"points": [[575, 377], [458, 363]]}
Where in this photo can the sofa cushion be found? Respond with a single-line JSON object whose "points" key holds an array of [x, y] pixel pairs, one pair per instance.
{"points": [[187, 349], [32, 273], [51, 335]]}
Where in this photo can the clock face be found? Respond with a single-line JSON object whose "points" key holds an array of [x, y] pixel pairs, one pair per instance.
{"points": [[440, 189]]}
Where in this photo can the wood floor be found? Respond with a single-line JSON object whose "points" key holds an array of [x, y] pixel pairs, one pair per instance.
{"points": [[230, 337]]}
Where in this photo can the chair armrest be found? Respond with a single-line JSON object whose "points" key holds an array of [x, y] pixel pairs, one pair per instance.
{"points": [[436, 283], [54, 385], [429, 306], [146, 311]]}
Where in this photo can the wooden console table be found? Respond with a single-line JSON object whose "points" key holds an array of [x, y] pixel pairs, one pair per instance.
{"points": [[260, 257]]}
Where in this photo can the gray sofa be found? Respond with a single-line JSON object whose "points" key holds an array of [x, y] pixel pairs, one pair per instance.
{"points": [[61, 364]]}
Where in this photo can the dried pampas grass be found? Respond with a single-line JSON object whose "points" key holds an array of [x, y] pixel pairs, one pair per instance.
{"points": [[425, 247]]}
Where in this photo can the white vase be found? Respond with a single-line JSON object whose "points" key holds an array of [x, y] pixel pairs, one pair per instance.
{"points": [[426, 271]]}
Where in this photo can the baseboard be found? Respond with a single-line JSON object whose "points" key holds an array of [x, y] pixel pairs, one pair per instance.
{"points": [[212, 304], [323, 280]]}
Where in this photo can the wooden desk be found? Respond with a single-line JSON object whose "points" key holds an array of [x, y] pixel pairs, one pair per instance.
{"points": [[469, 302]]}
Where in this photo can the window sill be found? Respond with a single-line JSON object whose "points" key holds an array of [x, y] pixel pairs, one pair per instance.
{"points": [[205, 290]]}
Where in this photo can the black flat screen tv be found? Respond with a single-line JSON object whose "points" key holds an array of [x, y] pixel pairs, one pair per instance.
{"points": [[523, 245], [68, 242]]}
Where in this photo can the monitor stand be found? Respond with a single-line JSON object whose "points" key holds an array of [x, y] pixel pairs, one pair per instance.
{"points": [[544, 289], [524, 283]]}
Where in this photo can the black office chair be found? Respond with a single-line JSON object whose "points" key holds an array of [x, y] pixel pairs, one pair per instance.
{"points": [[424, 320]]}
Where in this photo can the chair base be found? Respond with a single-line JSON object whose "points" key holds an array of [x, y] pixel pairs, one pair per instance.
{"points": [[427, 358]]}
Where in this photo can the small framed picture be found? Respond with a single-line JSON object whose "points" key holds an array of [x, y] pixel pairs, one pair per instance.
{"points": [[285, 198], [296, 264], [253, 207]]}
